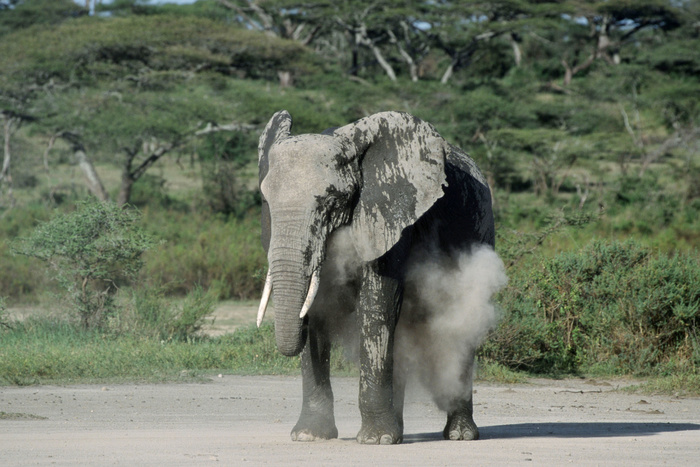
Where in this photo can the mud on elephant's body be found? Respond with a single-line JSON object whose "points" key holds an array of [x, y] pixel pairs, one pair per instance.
{"points": [[391, 190]]}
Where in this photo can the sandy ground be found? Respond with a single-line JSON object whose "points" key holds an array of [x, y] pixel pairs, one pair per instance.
{"points": [[234, 420]]}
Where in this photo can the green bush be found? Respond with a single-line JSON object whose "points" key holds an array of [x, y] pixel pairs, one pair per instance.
{"points": [[90, 251], [614, 306], [42, 12]]}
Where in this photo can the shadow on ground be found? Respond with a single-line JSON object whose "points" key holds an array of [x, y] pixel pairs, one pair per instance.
{"points": [[565, 430]]}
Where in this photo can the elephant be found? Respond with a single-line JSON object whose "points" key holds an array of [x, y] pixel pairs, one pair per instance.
{"points": [[389, 189]]}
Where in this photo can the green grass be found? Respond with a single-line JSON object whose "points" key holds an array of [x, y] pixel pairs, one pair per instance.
{"points": [[50, 351], [493, 372], [680, 385]]}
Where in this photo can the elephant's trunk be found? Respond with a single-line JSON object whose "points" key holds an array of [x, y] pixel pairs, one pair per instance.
{"points": [[290, 285], [288, 325]]}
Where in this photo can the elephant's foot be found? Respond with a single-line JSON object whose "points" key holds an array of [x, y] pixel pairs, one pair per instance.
{"points": [[314, 427], [380, 431], [460, 424]]}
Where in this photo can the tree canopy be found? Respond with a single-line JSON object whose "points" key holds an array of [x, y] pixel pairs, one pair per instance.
{"points": [[534, 87]]}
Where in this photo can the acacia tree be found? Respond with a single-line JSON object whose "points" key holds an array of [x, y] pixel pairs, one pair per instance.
{"points": [[275, 18], [599, 30], [19, 14], [385, 29], [96, 85], [460, 30]]}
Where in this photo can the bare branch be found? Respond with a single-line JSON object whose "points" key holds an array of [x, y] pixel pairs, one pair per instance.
{"points": [[636, 139], [239, 11], [234, 126], [362, 37], [413, 69]]}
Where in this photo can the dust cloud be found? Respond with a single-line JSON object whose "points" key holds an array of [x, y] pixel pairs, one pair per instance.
{"points": [[446, 314]]}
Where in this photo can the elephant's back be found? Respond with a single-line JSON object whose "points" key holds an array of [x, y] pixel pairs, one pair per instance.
{"points": [[463, 216], [460, 162]]}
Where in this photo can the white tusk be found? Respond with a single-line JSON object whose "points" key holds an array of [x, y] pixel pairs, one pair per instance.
{"points": [[313, 290], [265, 298]]}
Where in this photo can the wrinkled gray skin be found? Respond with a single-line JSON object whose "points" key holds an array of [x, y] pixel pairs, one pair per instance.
{"points": [[403, 192]]}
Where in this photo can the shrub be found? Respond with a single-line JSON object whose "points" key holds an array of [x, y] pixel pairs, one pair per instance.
{"points": [[614, 306], [90, 252], [150, 190], [223, 160], [4, 320], [214, 252]]}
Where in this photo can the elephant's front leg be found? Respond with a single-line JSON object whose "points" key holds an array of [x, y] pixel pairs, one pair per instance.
{"points": [[378, 306], [316, 420]]}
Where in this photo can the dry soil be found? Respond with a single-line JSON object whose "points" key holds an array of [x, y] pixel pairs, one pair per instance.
{"points": [[236, 420]]}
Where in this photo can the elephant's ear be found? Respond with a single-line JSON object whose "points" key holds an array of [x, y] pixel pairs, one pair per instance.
{"points": [[402, 161], [277, 129]]}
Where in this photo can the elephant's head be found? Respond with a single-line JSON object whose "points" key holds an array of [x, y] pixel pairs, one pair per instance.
{"points": [[377, 175]]}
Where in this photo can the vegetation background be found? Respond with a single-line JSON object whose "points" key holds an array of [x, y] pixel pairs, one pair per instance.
{"points": [[583, 114]]}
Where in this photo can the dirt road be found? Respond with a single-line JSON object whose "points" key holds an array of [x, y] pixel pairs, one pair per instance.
{"points": [[234, 420]]}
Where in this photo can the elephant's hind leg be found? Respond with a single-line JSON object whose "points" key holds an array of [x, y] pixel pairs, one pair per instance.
{"points": [[460, 423], [316, 420], [460, 409]]}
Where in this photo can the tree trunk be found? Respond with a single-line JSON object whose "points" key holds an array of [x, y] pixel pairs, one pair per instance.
{"points": [[125, 187], [49, 146], [571, 71], [130, 176], [382, 61], [568, 73], [5, 173], [7, 157], [517, 54], [448, 73], [285, 78], [94, 182], [355, 66]]}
